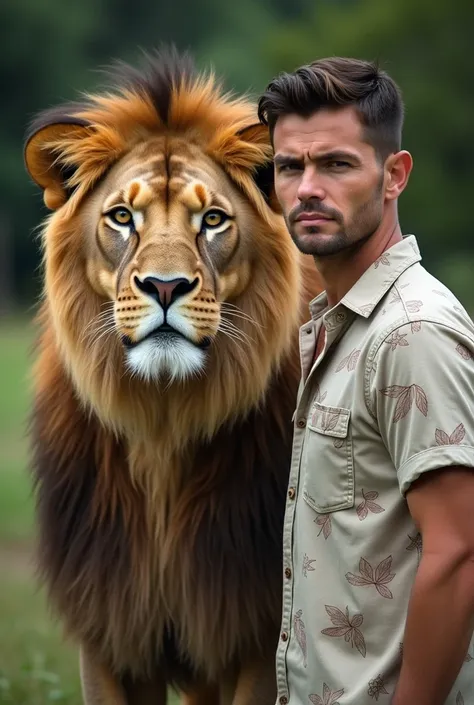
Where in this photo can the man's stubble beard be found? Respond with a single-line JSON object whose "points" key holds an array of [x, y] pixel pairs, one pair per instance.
{"points": [[362, 227]]}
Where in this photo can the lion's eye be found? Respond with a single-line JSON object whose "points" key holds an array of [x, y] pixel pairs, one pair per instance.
{"points": [[121, 216], [213, 219]]}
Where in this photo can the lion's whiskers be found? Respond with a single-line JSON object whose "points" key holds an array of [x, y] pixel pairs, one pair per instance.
{"points": [[101, 325], [231, 331], [233, 310]]}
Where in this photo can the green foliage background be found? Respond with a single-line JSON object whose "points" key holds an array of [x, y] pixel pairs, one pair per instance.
{"points": [[53, 48], [50, 52]]}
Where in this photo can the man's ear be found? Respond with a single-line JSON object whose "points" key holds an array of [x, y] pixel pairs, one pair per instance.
{"points": [[42, 151], [399, 167], [263, 175]]}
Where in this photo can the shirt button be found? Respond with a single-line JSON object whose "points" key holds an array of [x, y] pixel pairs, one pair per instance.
{"points": [[308, 330], [283, 700], [284, 636], [287, 572], [291, 493], [340, 317], [301, 423]]}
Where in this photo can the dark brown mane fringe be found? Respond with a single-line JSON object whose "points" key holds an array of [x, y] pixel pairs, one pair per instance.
{"points": [[222, 547], [163, 71]]}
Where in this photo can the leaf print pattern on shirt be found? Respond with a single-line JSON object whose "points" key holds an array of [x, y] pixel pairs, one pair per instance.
{"points": [[346, 627], [415, 326], [307, 564], [442, 438], [397, 339], [369, 504], [330, 697], [383, 259], [459, 698], [327, 418], [465, 353], [413, 306], [366, 309], [300, 633], [317, 394], [378, 577], [324, 521], [396, 298], [405, 397], [349, 362], [377, 688], [415, 544]]}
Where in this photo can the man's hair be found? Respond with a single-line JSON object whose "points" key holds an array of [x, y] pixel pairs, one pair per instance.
{"points": [[335, 83]]}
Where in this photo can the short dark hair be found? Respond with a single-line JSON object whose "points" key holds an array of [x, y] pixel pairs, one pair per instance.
{"points": [[337, 82]]}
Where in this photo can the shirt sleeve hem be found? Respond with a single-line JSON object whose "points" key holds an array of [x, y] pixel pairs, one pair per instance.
{"points": [[434, 459]]}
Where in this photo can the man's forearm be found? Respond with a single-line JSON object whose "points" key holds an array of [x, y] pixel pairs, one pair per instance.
{"points": [[438, 630]]}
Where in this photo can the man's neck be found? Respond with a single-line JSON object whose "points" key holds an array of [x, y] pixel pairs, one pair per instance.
{"points": [[341, 272]]}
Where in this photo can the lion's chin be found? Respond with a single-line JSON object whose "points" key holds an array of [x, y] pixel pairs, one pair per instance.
{"points": [[168, 357]]}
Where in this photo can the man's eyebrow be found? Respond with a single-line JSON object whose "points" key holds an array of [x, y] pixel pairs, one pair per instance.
{"points": [[332, 155], [336, 155], [280, 159]]}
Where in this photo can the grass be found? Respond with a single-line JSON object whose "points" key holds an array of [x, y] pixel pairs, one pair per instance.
{"points": [[16, 516], [37, 667]]}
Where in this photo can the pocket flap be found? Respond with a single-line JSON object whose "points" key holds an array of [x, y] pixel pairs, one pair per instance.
{"points": [[329, 420]]}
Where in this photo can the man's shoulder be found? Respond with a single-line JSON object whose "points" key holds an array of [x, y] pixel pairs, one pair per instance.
{"points": [[417, 302], [425, 295]]}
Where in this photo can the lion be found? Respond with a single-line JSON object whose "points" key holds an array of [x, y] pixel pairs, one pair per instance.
{"points": [[165, 379]]}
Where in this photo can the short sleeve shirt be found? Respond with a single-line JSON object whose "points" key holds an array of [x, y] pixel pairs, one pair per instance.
{"points": [[390, 397]]}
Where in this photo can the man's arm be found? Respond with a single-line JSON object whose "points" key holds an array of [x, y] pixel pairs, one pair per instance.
{"points": [[440, 617], [421, 392]]}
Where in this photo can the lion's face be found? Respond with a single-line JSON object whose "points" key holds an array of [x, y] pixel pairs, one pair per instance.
{"points": [[172, 288], [167, 244]]}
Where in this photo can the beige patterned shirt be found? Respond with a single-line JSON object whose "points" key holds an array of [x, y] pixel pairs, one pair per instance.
{"points": [[390, 397]]}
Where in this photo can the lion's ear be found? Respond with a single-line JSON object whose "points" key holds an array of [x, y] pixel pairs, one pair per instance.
{"points": [[42, 152], [258, 135]]}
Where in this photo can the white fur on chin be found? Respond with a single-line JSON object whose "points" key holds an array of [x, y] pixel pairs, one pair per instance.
{"points": [[175, 358]]}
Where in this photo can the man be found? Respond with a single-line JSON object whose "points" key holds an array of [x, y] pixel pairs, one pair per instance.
{"points": [[378, 593]]}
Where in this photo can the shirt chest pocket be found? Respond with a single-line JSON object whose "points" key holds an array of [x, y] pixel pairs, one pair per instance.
{"points": [[328, 468]]}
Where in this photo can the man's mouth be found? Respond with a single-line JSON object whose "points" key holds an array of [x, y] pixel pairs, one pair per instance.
{"points": [[312, 217]]}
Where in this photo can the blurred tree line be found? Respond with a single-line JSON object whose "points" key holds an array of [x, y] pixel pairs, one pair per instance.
{"points": [[53, 48]]}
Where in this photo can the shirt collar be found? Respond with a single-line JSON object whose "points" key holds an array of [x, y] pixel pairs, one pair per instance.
{"points": [[374, 283]]}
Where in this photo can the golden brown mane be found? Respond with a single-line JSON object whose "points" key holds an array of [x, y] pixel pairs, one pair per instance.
{"points": [[160, 506]]}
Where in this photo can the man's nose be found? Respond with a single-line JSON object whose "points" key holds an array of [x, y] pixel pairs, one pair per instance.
{"points": [[310, 186]]}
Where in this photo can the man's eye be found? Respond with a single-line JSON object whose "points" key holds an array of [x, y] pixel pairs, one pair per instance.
{"points": [[288, 167], [337, 164]]}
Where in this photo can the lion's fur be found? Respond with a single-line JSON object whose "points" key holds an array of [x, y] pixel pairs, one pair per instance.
{"points": [[160, 509]]}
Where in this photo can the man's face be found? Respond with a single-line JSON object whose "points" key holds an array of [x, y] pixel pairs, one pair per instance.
{"points": [[328, 181]]}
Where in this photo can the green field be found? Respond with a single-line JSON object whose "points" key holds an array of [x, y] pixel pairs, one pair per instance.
{"points": [[36, 666]]}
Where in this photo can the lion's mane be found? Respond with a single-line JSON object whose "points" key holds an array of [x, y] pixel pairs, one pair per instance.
{"points": [[160, 510]]}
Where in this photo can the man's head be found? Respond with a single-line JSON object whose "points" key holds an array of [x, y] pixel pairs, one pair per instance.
{"points": [[336, 130]]}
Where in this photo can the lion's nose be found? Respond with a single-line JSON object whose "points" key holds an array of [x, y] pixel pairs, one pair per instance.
{"points": [[165, 292]]}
